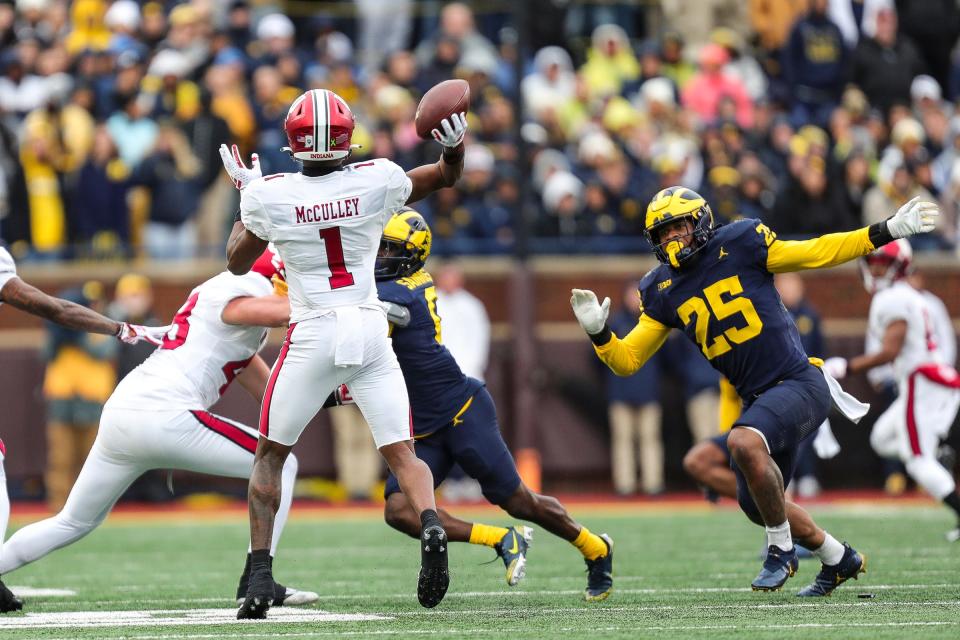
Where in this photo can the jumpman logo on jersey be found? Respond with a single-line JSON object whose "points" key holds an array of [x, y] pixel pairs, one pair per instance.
{"points": [[723, 254]]}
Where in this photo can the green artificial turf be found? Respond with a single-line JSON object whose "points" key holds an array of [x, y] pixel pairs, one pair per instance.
{"points": [[679, 573]]}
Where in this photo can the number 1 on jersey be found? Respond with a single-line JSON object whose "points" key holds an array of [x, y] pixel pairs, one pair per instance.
{"points": [[339, 276]]}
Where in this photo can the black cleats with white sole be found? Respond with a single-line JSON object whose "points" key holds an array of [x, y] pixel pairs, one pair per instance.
{"points": [[260, 595], [8, 601], [434, 575]]}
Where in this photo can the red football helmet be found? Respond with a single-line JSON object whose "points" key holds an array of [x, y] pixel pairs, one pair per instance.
{"points": [[319, 126], [896, 256], [269, 264]]}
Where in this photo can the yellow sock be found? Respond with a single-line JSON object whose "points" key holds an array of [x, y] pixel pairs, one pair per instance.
{"points": [[591, 545], [486, 535]]}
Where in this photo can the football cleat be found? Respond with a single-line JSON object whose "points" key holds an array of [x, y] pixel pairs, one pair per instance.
{"points": [[802, 552], [434, 575], [260, 595], [851, 565], [8, 601], [953, 535], [778, 566], [512, 548], [286, 596], [600, 574]]}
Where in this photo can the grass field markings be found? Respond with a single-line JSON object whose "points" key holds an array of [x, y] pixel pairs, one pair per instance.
{"points": [[518, 593], [41, 592], [164, 617]]}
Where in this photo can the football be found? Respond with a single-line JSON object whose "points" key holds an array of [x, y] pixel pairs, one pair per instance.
{"points": [[443, 100]]}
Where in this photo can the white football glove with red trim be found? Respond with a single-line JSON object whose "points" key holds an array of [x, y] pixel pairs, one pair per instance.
{"points": [[454, 130], [241, 174], [134, 333]]}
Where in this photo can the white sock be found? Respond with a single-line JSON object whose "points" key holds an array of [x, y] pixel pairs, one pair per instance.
{"points": [[780, 536], [830, 552]]}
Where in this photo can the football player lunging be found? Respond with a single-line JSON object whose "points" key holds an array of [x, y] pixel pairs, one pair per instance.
{"points": [[901, 327], [158, 418], [455, 421], [716, 286], [326, 222], [21, 295]]}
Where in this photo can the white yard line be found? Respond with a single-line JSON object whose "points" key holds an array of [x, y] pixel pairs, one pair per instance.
{"points": [[167, 617]]}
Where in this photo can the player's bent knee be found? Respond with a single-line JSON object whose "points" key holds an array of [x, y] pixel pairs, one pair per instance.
{"points": [[695, 462], [749, 508]]}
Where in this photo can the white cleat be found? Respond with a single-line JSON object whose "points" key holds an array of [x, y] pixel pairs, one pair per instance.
{"points": [[293, 598], [953, 535]]}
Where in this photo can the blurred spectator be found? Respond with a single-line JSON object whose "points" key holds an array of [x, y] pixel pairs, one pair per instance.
{"points": [[634, 412], [675, 65], [457, 26], [883, 199], [98, 207], [133, 302], [698, 17], [384, 29], [354, 453], [933, 26], [812, 204], [563, 203], [171, 173], [551, 84], [709, 89], [885, 63], [740, 65], [700, 384], [857, 180], [610, 61], [20, 90], [466, 325], [133, 133], [814, 66], [56, 141], [80, 376]]}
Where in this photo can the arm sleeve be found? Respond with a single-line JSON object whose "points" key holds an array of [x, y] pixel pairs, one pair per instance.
{"points": [[253, 215], [825, 251], [8, 269], [625, 356], [399, 187]]}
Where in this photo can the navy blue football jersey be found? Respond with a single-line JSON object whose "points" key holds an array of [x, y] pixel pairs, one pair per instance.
{"points": [[725, 302], [438, 389]]}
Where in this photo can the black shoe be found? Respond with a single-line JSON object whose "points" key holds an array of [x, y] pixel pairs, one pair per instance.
{"points": [[282, 596], [851, 565], [434, 575], [8, 601], [259, 596], [600, 574]]}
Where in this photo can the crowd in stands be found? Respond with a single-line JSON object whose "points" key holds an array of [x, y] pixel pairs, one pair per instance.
{"points": [[814, 116]]}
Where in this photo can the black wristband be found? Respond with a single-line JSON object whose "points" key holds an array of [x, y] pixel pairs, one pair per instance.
{"points": [[236, 216], [880, 234], [453, 155], [603, 337]]}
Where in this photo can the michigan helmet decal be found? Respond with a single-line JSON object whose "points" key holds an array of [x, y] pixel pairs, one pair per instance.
{"points": [[404, 246], [669, 205]]}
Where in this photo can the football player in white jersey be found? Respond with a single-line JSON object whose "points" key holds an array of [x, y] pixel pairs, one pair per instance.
{"points": [[158, 418], [902, 333], [21, 295], [326, 223]]}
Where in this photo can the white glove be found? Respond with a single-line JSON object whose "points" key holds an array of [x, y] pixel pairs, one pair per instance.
{"points": [[914, 217], [591, 315], [836, 367], [825, 443], [134, 333], [239, 172], [454, 129]]}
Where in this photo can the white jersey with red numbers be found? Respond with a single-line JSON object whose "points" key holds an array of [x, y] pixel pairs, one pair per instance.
{"points": [[201, 355], [327, 230], [901, 301]]}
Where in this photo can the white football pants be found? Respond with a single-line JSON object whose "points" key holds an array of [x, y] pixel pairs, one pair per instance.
{"points": [[307, 371], [130, 443], [911, 429]]}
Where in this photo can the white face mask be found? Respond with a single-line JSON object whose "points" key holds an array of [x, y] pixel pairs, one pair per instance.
{"points": [[873, 283]]}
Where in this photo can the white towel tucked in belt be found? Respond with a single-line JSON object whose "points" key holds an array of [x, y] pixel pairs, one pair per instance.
{"points": [[349, 346], [845, 403]]}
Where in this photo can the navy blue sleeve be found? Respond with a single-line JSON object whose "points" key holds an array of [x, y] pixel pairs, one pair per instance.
{"points": [[650, 297], [390, 291]]}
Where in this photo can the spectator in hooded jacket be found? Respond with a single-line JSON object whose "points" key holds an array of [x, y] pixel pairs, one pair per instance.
{"points": [[885, 64]]}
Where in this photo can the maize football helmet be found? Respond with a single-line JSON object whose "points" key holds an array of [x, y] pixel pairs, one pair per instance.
{"points": [[668, 206], [404, 246]]}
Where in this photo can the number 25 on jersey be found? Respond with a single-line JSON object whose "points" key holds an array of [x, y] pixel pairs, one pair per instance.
{"points": [[696, 309]]}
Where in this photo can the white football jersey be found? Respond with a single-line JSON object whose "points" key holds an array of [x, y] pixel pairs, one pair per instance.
{"points": [[901, 301], [327, 229], [201, 354], [8, 269]]}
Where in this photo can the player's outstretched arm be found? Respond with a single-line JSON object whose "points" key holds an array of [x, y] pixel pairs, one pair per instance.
{"points": [[832, 249], [446, 171], [254, 378], [623, 356], [890, 346], [243, 249], [25, 297], [262, 311]]}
